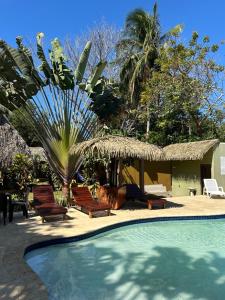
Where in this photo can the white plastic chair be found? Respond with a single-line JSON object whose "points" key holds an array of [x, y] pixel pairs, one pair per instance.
{"points": [[211, 188]]}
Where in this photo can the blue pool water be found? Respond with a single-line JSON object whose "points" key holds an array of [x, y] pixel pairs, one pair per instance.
{"points": [[162, 260]]}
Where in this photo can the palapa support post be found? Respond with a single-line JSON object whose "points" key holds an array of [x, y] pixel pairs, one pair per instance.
{"points": [[141, 175], [118, 173]]}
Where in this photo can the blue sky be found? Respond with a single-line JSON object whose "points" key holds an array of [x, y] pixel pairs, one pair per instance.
{"points": [[70, 17]]}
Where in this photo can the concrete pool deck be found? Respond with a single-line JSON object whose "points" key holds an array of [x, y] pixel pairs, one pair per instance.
{"points": [[18, 281]]}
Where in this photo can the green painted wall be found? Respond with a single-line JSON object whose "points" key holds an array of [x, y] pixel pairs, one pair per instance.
{"points": [[216, 165], [185, 175]]}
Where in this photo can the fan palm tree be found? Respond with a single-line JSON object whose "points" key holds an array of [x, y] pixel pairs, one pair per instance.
{"points": [[138, 50], [62, 117]]}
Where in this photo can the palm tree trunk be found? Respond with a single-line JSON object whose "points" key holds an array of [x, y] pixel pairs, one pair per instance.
{"points": [[147, 123], [66, 191]]}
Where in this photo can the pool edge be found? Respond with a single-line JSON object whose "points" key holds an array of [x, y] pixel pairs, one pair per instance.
{"points": [[80, 237]]}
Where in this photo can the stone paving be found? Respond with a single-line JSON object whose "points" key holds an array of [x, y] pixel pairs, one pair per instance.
{"points": [[18, 281]]}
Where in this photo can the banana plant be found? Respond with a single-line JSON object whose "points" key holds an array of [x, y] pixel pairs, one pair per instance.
{"points": [[62, 99]]}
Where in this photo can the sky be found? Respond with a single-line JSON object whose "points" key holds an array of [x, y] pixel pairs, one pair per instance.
{"points": [[61, 19]]}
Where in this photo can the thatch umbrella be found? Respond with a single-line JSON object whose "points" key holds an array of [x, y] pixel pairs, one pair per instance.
{"points": [[189, 151], [11, 143]]}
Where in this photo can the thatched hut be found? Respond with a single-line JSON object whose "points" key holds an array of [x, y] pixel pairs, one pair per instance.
{"points": [[119, 149], [11, 143], [38, 152], [192, 162], [189, 151]]}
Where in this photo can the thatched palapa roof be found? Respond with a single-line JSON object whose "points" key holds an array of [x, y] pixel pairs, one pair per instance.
{"points": [[11, 143], [38, 151], [122, 147], [189, 151]]}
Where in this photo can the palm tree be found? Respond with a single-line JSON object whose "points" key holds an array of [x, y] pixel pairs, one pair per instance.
{"points": [[138, 50], [60, 96]]}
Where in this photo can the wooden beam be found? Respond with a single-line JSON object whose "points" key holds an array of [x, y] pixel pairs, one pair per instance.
{"points": [[141, 175]]}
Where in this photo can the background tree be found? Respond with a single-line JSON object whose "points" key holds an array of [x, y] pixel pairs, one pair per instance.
{"points": [[137, 53], [137, 50], [106, 99], [18, 118], [104, 38], [184, 97]]}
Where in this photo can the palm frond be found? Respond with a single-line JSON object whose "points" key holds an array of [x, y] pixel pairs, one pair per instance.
{"points": [[62, 117]]}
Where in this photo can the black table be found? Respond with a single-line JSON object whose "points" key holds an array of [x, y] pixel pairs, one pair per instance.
{"points": [[7, 206], [12, 204], [4, 206]]}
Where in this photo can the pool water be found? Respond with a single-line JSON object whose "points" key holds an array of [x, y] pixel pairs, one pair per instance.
{"points": [[161, 260]]}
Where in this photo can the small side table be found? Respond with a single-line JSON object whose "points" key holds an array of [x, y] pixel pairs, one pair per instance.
{"points": [[192, 192]]}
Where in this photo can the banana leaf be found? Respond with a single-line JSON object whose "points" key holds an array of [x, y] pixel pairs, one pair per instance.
{"points": [[95, 77], [44, 67], [62, 74], [79, 72]]}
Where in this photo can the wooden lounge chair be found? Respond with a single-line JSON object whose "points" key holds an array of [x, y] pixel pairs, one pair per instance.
{"points": [[211, 188], [84, 201], [44, 202], [133, 192]]}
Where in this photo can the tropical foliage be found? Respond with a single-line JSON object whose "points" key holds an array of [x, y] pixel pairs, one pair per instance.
{"points": [[20, 172], [18, 118], [168, 90], [138, 50], [183, 100], [62, 117], [94, 168]]}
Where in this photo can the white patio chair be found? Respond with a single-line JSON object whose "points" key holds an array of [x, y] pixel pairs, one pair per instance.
{"points": [[211, 188]]}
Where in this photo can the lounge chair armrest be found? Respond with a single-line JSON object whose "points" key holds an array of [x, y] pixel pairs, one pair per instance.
{"points": [[220, 188]]}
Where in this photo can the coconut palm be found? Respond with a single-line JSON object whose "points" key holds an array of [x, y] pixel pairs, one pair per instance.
{"points": [[138, 49], [61, 97]]}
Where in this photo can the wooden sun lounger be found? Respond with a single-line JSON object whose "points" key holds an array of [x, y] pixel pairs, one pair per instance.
{"points": [[83, 199], [44, 202], [134, 192]]}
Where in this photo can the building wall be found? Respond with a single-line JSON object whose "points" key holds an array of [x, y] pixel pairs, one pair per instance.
{"points": [[130, 173], [217, 173], [154, 173], [177, 176], [158, 172], [185, 175]]}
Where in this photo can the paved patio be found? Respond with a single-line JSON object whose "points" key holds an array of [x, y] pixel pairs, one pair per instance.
{"points": [[18, 281]]}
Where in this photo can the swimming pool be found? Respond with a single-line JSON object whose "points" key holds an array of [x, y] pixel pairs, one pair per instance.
{"points": [[159, 260]]}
